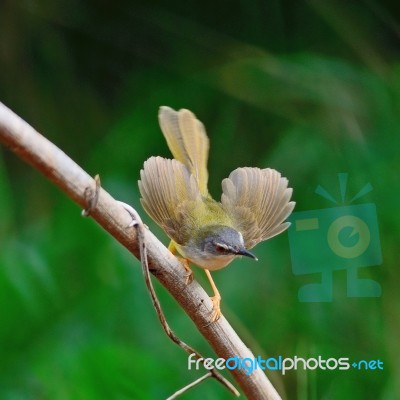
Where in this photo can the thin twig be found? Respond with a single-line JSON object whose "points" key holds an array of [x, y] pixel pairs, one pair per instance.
{"points": [[187, 387], [138, 224]]}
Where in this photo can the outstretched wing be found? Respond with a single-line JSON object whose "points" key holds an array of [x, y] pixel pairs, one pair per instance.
{"points": [[163, 185], [188, 142], [258, 201]]}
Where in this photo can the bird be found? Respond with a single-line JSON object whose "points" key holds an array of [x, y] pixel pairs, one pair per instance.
{"points": [[254, 206]]}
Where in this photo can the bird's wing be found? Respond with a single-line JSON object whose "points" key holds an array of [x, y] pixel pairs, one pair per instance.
{"points": [[258, 201], [188, 142], [169, 195]]}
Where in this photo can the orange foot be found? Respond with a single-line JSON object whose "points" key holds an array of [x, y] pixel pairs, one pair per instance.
{"points": [[189, 272], [216, 312]]}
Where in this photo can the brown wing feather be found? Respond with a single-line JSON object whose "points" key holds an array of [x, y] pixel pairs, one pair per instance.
{"points": [[187, 139], [258, 201], [163, 185]]}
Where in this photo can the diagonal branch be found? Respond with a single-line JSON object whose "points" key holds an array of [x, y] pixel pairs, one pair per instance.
{"points": [[43, 155], [140, 227]]}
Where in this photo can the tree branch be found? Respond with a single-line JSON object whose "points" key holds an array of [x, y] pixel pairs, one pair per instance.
{"points": [[141, 231], [43, 155]]}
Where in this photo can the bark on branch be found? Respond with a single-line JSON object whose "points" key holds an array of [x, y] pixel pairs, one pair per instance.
{"points": [[43, 155]]}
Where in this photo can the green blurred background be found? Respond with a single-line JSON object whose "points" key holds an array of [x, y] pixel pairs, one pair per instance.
{"points": [[311, 88]]}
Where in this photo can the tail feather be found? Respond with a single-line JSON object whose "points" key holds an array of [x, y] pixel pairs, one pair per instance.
{"points": [[188, 142]]}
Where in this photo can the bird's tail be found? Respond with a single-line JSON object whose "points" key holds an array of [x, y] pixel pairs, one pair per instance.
{"points": [[188, 142]]}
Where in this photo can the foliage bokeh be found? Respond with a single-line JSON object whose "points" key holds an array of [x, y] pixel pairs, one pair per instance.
{"points": [[309, 88]]}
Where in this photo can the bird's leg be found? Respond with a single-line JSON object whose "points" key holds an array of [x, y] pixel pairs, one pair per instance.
{"points": [[184, 262], [216, 299]]}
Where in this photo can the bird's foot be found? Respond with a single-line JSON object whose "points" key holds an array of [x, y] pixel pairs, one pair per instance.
{"points": [[216, 311], [189, 272]]}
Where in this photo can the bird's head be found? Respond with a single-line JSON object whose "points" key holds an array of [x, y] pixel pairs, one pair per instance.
{"points": [[220, 244]]}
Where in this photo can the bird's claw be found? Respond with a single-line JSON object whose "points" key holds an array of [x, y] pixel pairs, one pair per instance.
{"points": [[189, 278], [216, 311], [189, 272]]}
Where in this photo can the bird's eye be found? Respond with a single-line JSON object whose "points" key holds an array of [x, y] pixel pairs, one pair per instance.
{"points": [[220, 248]]}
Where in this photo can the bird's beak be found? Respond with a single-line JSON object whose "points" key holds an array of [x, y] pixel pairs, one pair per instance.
{"points": [[244, 252]]}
